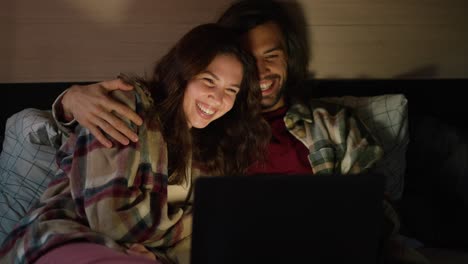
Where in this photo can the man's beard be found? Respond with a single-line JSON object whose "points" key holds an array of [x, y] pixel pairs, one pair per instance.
{"points": [[276, 99]]}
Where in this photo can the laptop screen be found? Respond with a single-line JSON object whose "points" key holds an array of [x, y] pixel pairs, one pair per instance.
{"points": [[287, 219]]}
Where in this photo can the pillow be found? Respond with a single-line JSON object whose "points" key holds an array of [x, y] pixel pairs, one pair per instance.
{"points": [[27, 163], [386, 117]]}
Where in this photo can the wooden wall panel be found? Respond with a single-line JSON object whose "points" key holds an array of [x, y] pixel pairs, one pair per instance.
{"points": [[88, 40], [389, 51], [78, 40], [388, 39]]}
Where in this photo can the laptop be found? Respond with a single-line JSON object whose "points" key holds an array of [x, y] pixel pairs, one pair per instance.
{"points": [[287, 219]]}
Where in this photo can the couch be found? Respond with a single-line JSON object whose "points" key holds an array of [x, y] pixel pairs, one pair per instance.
{"points": [[434, 204]]}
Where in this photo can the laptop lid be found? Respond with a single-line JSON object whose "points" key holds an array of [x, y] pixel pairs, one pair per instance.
{"points": [[287, 219]]}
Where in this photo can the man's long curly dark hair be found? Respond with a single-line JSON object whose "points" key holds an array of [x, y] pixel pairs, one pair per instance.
{"points": [[244, 15], [228, 145]]}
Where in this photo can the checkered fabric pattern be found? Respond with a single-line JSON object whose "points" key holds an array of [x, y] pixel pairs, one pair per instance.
{"points": [[27, 163], [386, 116]]}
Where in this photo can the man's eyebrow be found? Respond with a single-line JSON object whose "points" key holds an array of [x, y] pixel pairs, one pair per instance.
{"points": [[280, 48]]}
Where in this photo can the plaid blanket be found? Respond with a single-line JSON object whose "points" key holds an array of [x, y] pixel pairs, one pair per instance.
{"points": [[337, 141], [114, 197]]}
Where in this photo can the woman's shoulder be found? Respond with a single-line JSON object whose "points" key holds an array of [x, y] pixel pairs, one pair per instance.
{"points": [[139, 99]]}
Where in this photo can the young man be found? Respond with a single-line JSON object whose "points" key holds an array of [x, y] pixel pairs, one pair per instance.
{"points": [[305, 138]]}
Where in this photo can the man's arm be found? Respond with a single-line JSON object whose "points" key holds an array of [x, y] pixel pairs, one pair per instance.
{"points": [[337, 142], [92, 107]]}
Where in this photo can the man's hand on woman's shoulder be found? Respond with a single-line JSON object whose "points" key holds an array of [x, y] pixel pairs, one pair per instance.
{"points": [[92, 107]]}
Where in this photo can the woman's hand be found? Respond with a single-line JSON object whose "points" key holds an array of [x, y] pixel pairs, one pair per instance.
{"points": [[91, 106]]}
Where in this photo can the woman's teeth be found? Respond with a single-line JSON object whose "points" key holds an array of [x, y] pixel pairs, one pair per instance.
{"points": [[205, 110]]}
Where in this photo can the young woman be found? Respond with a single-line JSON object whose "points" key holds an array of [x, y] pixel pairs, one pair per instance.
{"points": [[201, 115]]}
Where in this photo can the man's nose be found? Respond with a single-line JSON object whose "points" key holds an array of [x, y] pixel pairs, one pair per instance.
{"points": [[262, 68]]}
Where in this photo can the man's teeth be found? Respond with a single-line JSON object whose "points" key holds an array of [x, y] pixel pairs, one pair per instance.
{"points": [[205, 110], [265, 86]]}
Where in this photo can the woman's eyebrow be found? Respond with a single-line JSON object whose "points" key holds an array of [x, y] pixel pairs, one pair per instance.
{"points": [[216, 77], [212, 74]]}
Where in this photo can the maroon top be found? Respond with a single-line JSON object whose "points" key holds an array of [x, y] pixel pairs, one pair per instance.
{"points": [[286, 154]]}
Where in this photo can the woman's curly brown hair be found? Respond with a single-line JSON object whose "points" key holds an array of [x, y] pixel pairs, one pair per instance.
{"points": [[228, 145]]}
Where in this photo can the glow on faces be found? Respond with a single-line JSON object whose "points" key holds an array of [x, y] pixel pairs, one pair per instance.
{"points": [[266, 43], [212, 93]]}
